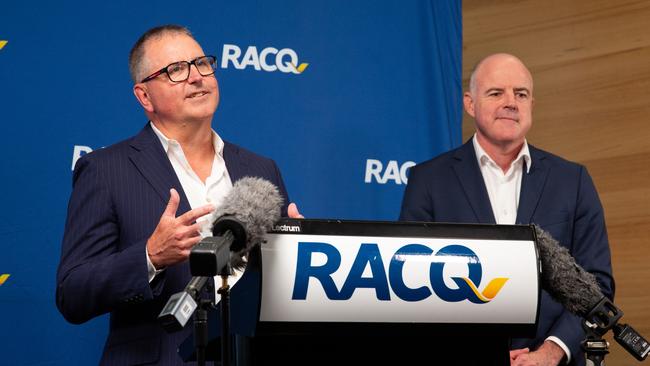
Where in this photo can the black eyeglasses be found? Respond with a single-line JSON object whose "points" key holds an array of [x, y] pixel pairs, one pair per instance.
{"points": [[180, 71]]}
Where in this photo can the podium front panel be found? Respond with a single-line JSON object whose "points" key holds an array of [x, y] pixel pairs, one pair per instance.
{"points": [[375, 275]]}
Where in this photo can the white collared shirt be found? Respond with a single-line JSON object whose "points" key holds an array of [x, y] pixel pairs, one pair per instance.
{"points": [[213, 191], [504, 190]]}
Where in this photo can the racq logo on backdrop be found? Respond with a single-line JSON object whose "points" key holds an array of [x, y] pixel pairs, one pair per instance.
{"points": [[269, 59], [389, 172]]}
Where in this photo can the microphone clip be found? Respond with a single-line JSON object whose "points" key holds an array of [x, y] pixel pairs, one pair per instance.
{"points": [[602, 318]]}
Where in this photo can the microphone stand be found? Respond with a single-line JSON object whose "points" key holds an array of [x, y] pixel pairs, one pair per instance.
{"points": [[201, 326], [224, 291], [600, 319], [210, 257], [595, 347]]}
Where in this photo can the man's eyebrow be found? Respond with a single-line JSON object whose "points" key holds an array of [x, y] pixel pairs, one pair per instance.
{"points": [[516, 90], [493, 89], [522, 89]]}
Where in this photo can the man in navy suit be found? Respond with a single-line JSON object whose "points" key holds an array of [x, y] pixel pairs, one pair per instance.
{"points": [[139, 206], [498, 178]]}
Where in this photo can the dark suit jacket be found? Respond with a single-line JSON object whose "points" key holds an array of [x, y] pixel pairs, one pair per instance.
{"points": [[556, 194], [119, 194]]}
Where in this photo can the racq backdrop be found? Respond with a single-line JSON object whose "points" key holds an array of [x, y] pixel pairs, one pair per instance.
{"points": [[344, 95]]}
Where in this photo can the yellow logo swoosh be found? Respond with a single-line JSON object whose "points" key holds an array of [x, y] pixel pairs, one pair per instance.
{"points": [[493, 288], [3, 278], [300, 68], [490, 291], [3, 43]]}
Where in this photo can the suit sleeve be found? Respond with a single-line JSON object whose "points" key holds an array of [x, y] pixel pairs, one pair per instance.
{"points": [[416, 204], [94, 275], [279, 182], [590, 248]]}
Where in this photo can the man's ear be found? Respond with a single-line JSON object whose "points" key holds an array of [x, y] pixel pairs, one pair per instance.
{"points": [[142, 95], [468, 102]]}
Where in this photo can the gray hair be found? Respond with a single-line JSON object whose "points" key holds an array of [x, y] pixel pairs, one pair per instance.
{"points": [[137, 60]]}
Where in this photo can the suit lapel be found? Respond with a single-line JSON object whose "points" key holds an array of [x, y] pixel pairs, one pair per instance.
{"points": [[532, 184], [152, 162], [236, 166], [470, 179]]}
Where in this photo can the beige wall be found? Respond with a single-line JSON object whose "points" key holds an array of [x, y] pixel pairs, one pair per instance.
{"points": [[590, 60]]}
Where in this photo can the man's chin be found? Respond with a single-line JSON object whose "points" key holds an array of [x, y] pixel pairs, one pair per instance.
{"points": [[202, 108]]}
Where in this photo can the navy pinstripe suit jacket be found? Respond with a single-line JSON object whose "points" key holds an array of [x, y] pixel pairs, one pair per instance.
{"points": [[118, 196]]}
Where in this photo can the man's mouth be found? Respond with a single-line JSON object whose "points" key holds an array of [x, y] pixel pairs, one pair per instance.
{"points": [[197, 94], [510, 118]]}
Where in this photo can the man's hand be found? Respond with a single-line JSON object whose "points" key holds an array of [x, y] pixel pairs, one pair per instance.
{"points": [[293, 213], [516, 353], [548, 354], [174, 237]]}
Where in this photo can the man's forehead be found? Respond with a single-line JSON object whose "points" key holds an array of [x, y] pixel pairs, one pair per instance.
{"points": [[170, 45], [505, 79]]}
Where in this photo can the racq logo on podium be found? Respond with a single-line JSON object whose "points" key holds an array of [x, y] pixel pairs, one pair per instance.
{"points": [[370, 256], [372, 279], [269, 59]]}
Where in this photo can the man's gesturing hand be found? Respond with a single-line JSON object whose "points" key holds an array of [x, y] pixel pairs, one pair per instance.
{"points": [[174, 237]]}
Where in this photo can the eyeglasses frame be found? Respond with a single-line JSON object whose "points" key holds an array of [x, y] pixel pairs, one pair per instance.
{"points": [[191, 62]]}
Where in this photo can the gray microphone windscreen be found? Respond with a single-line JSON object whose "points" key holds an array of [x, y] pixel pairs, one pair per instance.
{"points": [[564, 279], [254, 202]]}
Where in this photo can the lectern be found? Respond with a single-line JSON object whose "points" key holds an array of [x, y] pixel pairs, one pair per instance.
{"points": [[344, 292]]}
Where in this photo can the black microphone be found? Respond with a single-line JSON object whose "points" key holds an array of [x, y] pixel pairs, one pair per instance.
{"points": [[578, 291], [243, 218], [181, 306]]}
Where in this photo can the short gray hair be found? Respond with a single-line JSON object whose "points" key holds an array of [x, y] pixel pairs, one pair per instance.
{"points": [[137, 57]]}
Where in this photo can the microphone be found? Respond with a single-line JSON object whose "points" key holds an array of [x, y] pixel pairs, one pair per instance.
{"points": [[181, 306], [243, 218], [564, 279], [246, 214], [578, 291]]}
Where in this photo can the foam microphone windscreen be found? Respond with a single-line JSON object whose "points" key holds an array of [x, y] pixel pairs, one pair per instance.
{"points": [[564, 279], [255, 204]]}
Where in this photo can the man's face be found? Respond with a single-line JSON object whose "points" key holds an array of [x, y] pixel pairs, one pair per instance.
{"points": [[194, 99], [501, 101]]}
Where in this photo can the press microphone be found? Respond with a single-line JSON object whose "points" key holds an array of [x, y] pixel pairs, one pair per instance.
{"points": [[243, 218], [578, 291], [181, 306], [247, 212], [564, 279]]}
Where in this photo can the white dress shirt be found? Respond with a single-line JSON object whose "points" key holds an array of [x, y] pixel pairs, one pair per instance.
{"points": [[213, 191], [504, 190]]}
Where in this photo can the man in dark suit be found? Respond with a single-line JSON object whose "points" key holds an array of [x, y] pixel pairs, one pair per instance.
{"points": [[498, 178], [139, 206]]}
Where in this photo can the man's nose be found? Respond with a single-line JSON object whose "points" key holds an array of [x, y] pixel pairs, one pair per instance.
{"points": [[195, 75], [510, 100]]}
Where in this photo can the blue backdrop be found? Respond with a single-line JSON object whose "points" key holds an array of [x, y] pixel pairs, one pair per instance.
{"points": [[344, 95]]}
